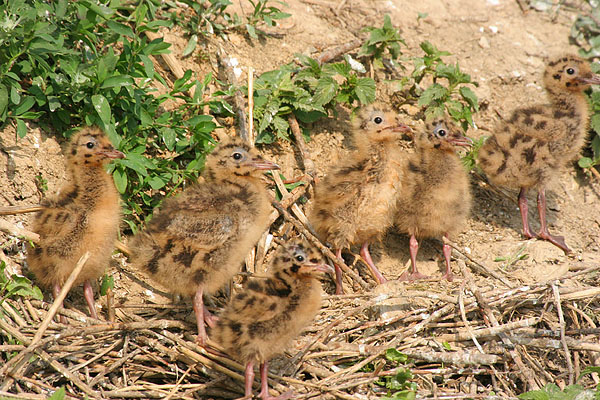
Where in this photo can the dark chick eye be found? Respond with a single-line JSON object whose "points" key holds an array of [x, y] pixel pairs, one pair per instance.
{"points": [[237, 156], [299, 258], [378, 120], [90, 145], [570, 71], [441, 133]]}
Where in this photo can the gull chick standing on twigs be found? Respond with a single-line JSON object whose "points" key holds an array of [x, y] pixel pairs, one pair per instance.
{"points": [[355, 203], [435, 198], [84, 216], [270, 312], [538, 141], [198, 240]]}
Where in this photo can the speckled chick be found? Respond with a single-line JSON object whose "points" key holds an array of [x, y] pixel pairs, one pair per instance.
{"points": [[435, 198], [83, 216], [199, 238], [270, 312], [356, 203], [538, 141]]}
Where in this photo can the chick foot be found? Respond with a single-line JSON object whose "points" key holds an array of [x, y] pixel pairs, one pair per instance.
{"points": [[414, 274], [366, 256]]}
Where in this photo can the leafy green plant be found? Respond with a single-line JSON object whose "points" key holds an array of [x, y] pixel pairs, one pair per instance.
{"points": [[449, 91], [470, 159], [310, 92], [553, 392], [211, 18], [593, 159], [382, 42], [15, 285], [398, 385]]}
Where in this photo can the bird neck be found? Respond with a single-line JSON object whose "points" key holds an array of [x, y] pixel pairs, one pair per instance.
{"points": [[88, 184], [570, 104]]}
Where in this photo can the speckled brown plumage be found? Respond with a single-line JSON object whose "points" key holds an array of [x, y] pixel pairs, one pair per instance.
{"points": [[537, 141], [83, 216], [270, 312], [435, 198], [199, 238], [356, 201]]}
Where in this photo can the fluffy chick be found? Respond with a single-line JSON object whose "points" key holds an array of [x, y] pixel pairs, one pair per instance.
{"points": [[435, 198], [83, 216], [261, 321], [356, 201], [199, 239], [538, 141]]}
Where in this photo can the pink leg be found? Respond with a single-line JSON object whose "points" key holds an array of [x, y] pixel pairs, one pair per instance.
{"points": [[339, 289], [56, 292], [249, 379], [414, 274], [364, 252], [447, 250], [264, 385], [524, 208], [558, 241], [210, 319], [88, 293], [199, 311]]}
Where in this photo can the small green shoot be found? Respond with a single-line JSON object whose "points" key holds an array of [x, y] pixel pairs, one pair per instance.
{"points": [[470, 159], [398, 385], [513, 258], [41, 183], [382, 42], [108, 282], [58, 395], [17, 286], [553, 392]]}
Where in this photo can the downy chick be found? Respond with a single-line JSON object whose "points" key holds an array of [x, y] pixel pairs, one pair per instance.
{"points": [[84, 216], [356, 201], [198, 240], [435, 198], [538, 141], [262, 320]]}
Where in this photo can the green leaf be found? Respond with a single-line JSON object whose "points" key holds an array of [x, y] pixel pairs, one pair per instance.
{"points": [[21, 128], [108, 282], [25, 105], [191, 46], [15, 97], [121, 29], [365, 90], [58, 395], [396, 356], [470, 97], [156, 182], [120, 178], [585, 162], [117, 81], [3, 100], [325, 91], [446, 345], [251, 31], [169, 137], [433, 92], [102, 108]]}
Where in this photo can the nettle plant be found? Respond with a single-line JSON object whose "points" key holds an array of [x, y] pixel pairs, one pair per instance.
{"points": [[449, 91], [309, 91], [67, 64], [383, 44], [212, 18]]}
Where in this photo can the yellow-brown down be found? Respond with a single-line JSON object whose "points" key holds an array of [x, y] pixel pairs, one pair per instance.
{"points": [[200, 237], [435, 198], [537, 141], [84, 215], [355, 203], [270, 312]]}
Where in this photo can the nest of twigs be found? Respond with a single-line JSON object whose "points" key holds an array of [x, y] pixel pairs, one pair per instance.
{"points": [[485, 336]]}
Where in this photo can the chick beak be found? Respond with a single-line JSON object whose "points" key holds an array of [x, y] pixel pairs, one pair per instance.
{"points": [[462, 141], [591, 79], [261, 164], [113, 154], [320, 268], [402, 128]]}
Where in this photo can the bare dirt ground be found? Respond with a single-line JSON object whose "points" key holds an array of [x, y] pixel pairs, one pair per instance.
{"points": [[504, 50]]}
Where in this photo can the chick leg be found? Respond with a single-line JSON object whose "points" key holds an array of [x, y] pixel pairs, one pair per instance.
{"points": [[199, 311], [88, 293], [264, 385], [210, 319], [447, 250], [249, 375], [414, 274], [56, 292], [339, 289], [524, 208], [364, 253], [558, 241]]}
